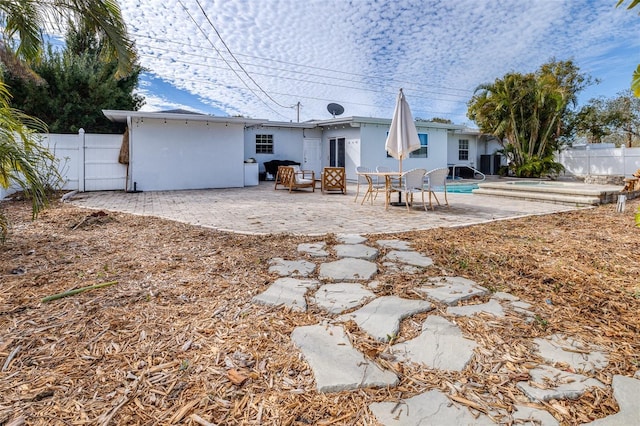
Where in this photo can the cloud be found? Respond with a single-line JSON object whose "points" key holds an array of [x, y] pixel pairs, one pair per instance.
{"points": [[359, 53]]}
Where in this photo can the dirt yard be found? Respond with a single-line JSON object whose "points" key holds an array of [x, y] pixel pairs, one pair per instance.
{"points": [[175, 338]]}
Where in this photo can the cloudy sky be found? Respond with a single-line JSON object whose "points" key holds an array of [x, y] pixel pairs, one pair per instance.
{"points": [[260, 58]]}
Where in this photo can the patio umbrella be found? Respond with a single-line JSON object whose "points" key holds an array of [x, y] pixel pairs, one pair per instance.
{"points": [[403, 136]]}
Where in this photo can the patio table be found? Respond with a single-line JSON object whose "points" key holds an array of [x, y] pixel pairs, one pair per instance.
{"points": [[388, 176]]}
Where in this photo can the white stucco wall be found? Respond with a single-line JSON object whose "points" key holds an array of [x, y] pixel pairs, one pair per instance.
{"points": [[475, 150], [374, 136], [287, 143], [182, 154]]}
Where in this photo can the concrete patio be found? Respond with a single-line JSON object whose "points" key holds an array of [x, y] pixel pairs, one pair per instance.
{"points": [[263, 210]]}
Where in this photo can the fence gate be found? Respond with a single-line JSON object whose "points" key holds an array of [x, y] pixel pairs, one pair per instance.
{"points": [[88, 161], [102, 172]]}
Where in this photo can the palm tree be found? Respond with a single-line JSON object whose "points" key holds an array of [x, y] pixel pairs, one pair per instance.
{"points": [[23, 161], [526, 112], [25, 21], [22, 24]]}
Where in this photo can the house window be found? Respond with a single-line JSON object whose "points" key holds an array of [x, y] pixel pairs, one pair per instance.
{"points": [[463, 149], [423, 152], [264, 144]]}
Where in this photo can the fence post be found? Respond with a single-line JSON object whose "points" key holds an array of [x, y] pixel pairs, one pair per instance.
{"points": [[81, 160], [624, 160], [588, 149]]}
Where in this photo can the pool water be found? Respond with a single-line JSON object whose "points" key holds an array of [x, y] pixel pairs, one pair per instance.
{"points": [[458, 188]]}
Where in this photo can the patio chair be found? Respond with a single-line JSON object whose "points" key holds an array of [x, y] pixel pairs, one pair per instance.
{"points": [[412, 182], [437, 178], [334, 179], [372, 188], [395, 181], [293, 178], [362, 179]]}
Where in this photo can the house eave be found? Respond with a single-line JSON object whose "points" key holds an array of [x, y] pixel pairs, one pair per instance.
{"points": [[356, 121], [119, 116]]}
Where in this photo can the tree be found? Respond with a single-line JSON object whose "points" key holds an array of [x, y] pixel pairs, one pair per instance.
{"points": [[22, 24], [593, 121], [527, 112], [76, 85], [615, 120], [441, 120], [635, 79]]}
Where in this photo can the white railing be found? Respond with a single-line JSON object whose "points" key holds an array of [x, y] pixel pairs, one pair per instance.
{"points": [[475, 171]]}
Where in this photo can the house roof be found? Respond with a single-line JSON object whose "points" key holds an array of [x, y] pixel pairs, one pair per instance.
{"points": [[122, 116], [353, 121]]}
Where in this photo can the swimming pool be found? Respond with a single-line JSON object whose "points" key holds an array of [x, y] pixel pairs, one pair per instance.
{"points": [[458, 188]]}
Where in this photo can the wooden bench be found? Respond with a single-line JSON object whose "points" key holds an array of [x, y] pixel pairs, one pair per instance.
{"points": [[293, 178]]}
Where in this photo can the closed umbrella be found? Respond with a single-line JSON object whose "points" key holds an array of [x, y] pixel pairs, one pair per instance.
{"points": [[403, 136]]}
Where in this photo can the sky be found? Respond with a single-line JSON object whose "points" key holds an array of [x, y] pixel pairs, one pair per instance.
{"points": [[286, 60]]}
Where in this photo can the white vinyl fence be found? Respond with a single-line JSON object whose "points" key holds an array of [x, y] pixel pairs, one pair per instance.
{"points": [[594, 161], [86, 161]]}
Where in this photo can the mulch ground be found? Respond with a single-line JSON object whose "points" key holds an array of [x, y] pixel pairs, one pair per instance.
{"points": [[176, 340]]}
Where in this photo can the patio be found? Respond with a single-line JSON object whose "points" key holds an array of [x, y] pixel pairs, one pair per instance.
{"points": [[261, 210]]}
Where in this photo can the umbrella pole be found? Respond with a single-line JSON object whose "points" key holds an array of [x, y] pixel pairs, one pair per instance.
{"points": [[400, 181]]}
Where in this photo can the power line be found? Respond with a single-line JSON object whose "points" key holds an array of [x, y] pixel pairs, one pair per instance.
{"points": [[262, 66], [230, 67], [234, 58], [341, 101], [405, 83], [374, 90]]}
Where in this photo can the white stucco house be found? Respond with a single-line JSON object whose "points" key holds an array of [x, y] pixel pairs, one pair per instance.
{"points": [[177, 150]]}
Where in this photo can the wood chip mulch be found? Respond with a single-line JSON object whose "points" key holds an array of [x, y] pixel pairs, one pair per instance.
{"points": [[176, 340]]}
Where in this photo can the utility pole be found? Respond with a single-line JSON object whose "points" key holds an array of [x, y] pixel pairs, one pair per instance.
{"points": [[298, 108]]}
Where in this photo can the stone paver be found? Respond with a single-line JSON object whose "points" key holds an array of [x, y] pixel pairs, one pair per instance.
{"points": [[339, 297], [348, 269], [533, 416], [501, 295], [336, 364], [314, 249], [289, 292], [441, 345], [350, 238], [492, 307], [358, 251], [521, 307], [409, 257], [626, 392], [392, 267], [295, 268], [579, 356], [429, 408], [451, 290], [394, 244], [552, 383], [381, 318], [259, 210]]}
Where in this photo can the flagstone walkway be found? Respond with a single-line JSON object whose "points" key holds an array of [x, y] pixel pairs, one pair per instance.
{"points": [[345, 289]]}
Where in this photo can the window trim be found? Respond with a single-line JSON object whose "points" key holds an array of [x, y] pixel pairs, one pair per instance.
{"points": [[424, 144], [462, 150], [264, 143]]}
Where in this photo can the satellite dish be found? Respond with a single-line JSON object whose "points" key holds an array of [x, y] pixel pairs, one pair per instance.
{"points": [[335, 109]]}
